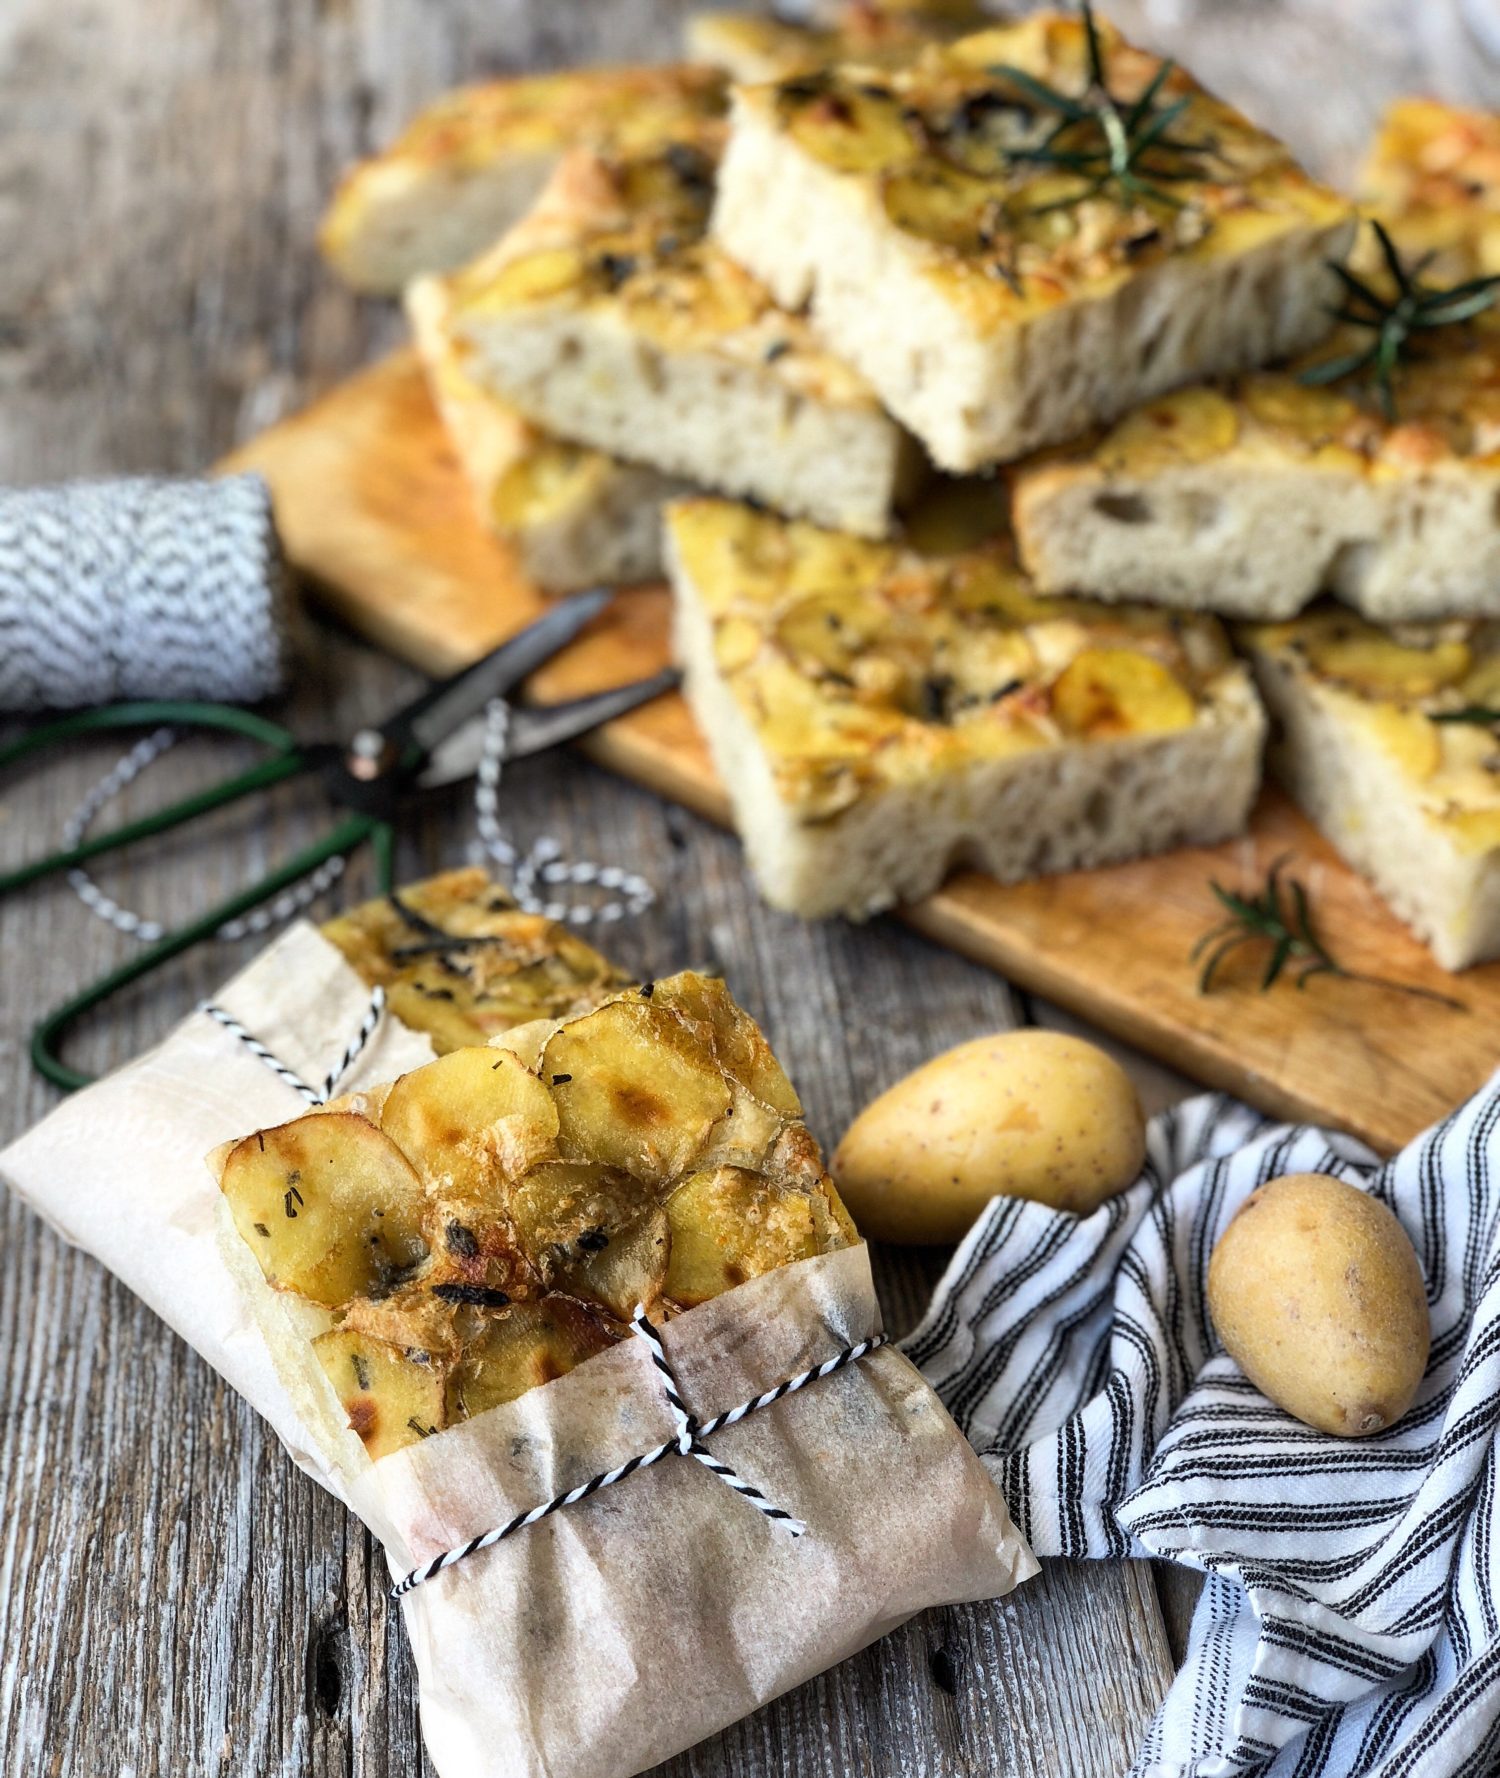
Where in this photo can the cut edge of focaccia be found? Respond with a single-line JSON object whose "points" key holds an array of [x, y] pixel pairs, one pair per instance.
{"points": [[419, 1252], [1410, 803], [575, 517], [1250, 499], [461, 962], [471, 164], [616, 325], [981, 363], [853, 837]]}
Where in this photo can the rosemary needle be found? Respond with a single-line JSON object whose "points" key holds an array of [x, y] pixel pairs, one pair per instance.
{"points": [[1280, 915], [1108, 141], [1395, 321]]}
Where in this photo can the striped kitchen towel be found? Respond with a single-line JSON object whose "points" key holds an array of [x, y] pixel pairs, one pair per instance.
{"points": [[1350, 1622]]}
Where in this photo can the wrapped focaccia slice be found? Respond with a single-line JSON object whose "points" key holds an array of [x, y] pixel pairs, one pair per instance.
{"points": [[472, 164], [494, 1218], [608, 318], [576, 517], [751, 47], [649, 1612], [1389, 740], [461, 962], [879, 714], [1027, 231]]}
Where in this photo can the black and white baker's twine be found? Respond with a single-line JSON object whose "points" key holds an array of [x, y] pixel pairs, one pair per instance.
{"points": [[368, 1026], [543, 866], [140, 588], [687, 1442], [123, 773]]}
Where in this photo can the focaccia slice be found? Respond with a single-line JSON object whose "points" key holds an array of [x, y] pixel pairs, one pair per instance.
{"points": [[472, 164], [964, 245], [1391, 742], [1433, 172], [575, 517], [491, 1220], [460, 961], [607, 318], [879, 716], [751, 48], [1249, 498]]}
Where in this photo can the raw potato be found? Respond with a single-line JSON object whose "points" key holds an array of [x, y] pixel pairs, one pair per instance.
{"points": [[1023, 1114], [1317, 1294]]}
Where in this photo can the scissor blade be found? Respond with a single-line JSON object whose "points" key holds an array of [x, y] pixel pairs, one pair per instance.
{"points": [[536, 727], [445, 708]]}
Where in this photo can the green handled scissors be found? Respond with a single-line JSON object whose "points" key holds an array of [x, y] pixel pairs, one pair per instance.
{"points": [[435, 740]]}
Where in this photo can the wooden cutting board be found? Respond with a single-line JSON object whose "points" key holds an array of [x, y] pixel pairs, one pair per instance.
{"points": [[374, 510]]}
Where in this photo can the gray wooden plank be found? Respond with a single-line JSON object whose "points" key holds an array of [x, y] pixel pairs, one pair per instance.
{"points": [[174, 1596]]}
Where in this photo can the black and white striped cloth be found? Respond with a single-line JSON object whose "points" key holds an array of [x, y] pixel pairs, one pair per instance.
{"points": [[1350, 1623]]}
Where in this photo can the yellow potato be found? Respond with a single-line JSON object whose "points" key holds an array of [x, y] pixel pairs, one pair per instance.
{"points": [[1024, 1114], [1317, 1295]]}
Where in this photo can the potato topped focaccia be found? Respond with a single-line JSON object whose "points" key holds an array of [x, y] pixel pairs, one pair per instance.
{"points": [[608, 318], [472, 164], [1381, 485], [1434, 174], [1391, 742], [460, 961], [878, 714], [576, 517], [1026, 231], [491, 1220], [751, 48], [1249, 497]]}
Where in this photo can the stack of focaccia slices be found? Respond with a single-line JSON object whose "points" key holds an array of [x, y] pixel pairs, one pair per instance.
{"points": [[750, 315]]}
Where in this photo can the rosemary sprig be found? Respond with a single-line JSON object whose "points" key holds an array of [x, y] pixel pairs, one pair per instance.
{"points": [[1481, 715], [1108, 141], [1416, 308], [1281, 916]]}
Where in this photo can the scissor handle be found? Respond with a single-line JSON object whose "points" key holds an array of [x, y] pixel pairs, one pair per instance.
{"points": [[353, 831], [287, 760]]}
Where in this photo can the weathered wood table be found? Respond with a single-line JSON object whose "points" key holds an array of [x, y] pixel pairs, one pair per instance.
{"points": [[175, 1598]]}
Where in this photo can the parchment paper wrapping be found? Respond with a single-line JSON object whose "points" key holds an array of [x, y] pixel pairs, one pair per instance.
{"points": [[620, 1630]]}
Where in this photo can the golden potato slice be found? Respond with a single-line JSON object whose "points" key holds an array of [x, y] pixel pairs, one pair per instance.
{"points": [[1119, 691], [329, 1206], [593, 1232], [561, 1200], [620, 1272], [632, 1090], [854, 129], [737, 1042], [392, 1396], [522, 1348], [729, 1225], [470, 1121], [1374, 663]]}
